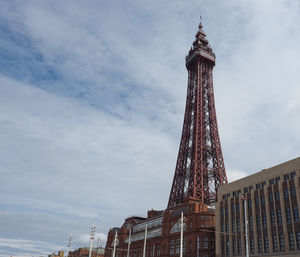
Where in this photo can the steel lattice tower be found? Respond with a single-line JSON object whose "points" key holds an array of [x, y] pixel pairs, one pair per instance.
{"points": [[200, 167]]}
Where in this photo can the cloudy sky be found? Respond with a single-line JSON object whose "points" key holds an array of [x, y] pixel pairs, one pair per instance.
{"points": [[92, 96]]}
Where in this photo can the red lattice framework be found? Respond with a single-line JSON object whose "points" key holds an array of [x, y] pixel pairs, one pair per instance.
{"points": [[200, 167]]}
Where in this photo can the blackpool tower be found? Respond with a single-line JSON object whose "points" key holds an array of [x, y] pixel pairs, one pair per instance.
{"points": [[200, 166]]}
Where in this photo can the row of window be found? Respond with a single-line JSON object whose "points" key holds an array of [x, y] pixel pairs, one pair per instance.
{"points": [[263, 244], [272, 181]]}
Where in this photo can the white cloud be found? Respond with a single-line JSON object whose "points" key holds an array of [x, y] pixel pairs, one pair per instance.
{"points": [[91, 143]]}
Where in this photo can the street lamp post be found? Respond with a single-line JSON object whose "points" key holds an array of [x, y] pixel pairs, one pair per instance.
{"points": [[246, 224]]}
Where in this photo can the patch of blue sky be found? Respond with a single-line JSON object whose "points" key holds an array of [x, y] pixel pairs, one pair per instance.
{"points": [[20, 60]]}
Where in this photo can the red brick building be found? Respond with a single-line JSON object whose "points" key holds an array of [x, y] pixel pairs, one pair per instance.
{"points": [[163, 237]]}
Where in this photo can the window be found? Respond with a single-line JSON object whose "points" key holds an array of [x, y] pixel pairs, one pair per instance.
{"points": [[177, 246], [239, 247], [277, 197], [293, 174], [298, 239], [234, 193], [237, 207], [258, 221], [262, 199], [293, 192], [273, 220], [205, 243], [288, 215], [222, 211], [281, 242], [250, 188], [252, 245], [263, 184], [277, 179], [271, 198], [172, 244], [256, 201], [264, 220], [223, 197], [266, 242], [291, 242], [257, 186], [234, 247], [249, 204], [238, 225], [250, 223], [275, 244], [259, 242], [245, 190], [227, 248], [239, 191], [232, 209], [279, 217], [296, 214], [233, 226], [222, 227], [227, 227], [286, 193], [286, 177], [226, 210], [271, 181]]}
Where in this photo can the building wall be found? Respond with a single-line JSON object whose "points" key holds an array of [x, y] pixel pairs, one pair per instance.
{"points": [[163, 238], [272, 204]]}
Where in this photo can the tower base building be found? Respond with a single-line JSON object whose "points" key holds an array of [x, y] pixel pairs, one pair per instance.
{"points": [[272, 201]]}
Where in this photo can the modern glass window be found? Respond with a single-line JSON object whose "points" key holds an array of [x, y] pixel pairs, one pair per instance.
{"points": [[279, 217], [295, 214], [281, 242], [275, 244], [291, 242], [277, 197], [266, 243], [259, 243], [288, 215]]}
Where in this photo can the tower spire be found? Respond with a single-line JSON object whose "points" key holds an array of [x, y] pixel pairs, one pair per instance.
{"points": [[200, 167]]}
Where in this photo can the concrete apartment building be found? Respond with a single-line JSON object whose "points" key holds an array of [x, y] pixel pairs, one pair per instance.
{"points": [[272, 205]]}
